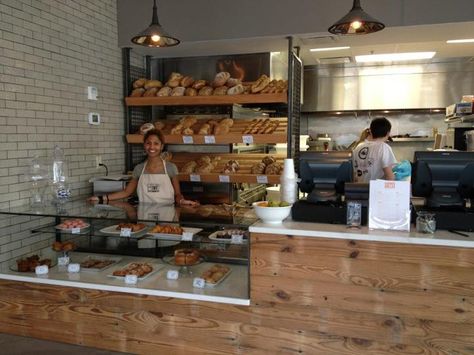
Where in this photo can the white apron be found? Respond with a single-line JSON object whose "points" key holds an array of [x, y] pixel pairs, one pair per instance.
{"points": [[155, 188]]}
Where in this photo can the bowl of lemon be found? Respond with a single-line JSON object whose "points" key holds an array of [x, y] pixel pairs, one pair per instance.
{"points": [[272, 211]]}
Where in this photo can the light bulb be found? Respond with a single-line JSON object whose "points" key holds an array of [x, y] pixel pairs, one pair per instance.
{"points": [[356, 25], [155, 38]]}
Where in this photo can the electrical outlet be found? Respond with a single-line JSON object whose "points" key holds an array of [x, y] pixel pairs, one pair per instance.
{"points": [[98, 161]]}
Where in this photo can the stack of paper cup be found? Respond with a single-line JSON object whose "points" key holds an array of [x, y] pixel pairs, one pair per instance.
{"points": [[289, 180]]}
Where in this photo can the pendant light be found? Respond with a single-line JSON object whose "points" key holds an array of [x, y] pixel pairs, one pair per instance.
{"points": [[155, 35], [356, 22]]}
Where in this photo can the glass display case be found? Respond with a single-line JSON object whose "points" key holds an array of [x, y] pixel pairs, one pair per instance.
{"points": [[197, 253]]}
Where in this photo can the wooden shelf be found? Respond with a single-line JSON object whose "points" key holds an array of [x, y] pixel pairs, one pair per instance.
{"points": [[207, 100], [234, 136], [232, 178]]}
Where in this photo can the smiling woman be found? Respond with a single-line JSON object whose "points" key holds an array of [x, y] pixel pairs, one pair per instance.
{"points": [[154, 180]]}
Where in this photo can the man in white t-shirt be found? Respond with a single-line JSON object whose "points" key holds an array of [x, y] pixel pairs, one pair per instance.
{"points": [[373, 159]]}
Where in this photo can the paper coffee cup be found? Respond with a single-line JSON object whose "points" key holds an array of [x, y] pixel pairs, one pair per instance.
{"points": [[289, 169]]}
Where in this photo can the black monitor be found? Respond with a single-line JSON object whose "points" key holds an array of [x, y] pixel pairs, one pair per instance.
{"points": [[445, 178], [324, 174]]}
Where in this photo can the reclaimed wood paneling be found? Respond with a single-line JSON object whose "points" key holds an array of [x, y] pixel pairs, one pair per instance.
{"points": [[309, 296]]}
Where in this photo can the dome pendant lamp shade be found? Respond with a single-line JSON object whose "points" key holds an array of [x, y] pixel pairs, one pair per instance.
{"points": [[155, 35], [356, 22]]}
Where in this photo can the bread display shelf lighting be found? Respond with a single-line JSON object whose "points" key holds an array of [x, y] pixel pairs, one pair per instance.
{"points": [[206, 100]]}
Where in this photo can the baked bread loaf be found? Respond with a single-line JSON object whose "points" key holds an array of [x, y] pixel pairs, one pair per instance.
{"points": [[203, 160], [233, 82], [190, 92], [164, 91], [204, 168], [220, 91], [139, 83], [187, 81], [268, 160], [146, 127], [220, 79], [189, 167], [227, 121], [231, 167], [174, 80], [206, 91], [273, 169], [178, 91], [205, 129], [199, 84], [258, 168], [137, 92], [153, 84], [236, 90], [150, 92], [188, 121], [221, 129], [177, 129], [159, 125], [188, 131], [260, 84], [186, 257]]}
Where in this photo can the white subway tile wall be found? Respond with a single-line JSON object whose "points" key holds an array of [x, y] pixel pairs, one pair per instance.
{"points": [[50, 52]]}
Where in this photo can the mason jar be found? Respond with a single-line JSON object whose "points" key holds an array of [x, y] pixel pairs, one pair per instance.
{"points": [[425, 222]]}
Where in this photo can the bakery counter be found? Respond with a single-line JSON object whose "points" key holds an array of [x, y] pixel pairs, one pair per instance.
{"points": [[335, 231], [232, 289]]}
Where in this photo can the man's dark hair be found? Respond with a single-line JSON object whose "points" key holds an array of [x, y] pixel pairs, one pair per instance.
{"points": [[379, 127]]}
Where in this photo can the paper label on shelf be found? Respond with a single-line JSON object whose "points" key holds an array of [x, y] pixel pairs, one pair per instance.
{"points": [[172, 275], [237, 239], [262, 179], [247, 139], [224, 178], [41, 270], [63, 260], [76, 231], [198, 282], [131, 279], [188, 140], [125, 232], [210, 139], [73, 268], [187, 237], [195, 178]]}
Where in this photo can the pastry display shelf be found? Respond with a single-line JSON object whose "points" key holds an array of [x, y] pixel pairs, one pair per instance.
{"points": [[207, 100]]}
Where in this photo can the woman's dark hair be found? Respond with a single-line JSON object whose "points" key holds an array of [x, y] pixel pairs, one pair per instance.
{"points": [[153, 132], [380, 127]]}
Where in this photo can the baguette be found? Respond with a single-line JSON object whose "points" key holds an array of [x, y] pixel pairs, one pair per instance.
{"points": [[260, 84]]}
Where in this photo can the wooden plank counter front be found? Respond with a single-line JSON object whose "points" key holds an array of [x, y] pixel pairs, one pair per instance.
{"points": [[309, 296]]}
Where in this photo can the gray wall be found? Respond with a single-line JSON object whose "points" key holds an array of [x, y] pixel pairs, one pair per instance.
{"points": [[50, 51]]}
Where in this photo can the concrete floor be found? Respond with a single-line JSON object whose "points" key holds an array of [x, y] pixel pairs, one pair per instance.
{"points": [[16, 345]]}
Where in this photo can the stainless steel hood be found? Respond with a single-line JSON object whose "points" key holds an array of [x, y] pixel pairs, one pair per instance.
{"points": [[380, 87]]}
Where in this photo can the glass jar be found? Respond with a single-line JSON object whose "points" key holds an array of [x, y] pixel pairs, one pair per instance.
{"points": [[425, 222]]}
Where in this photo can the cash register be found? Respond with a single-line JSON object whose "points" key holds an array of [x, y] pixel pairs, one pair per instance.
{"points": [[326, 178], [446, 180]]}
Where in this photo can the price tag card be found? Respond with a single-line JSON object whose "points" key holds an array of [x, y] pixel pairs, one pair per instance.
{"points": [[195, 178], [41, 270], [172, 275], [198, 282], [63, 260], [262, 179], [210, 139], [188, 140], [237, 239], [187, 237], [125, 232], [76, 231], [131, 279], [73, 268], [224, 178], [247, 139]]}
